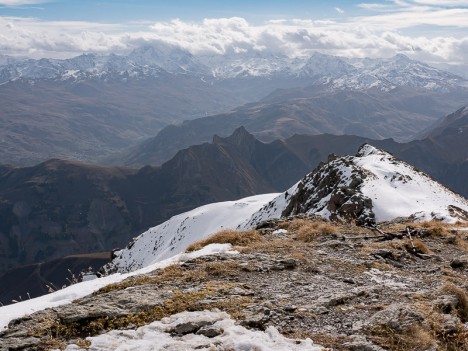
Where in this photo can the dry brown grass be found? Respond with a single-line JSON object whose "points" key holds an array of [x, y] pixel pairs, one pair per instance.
{"points": [[462, 297], [228, 236], [419, 246], [436, 229], [222, 269], [83, 343], [448, 339], [170, 273], [309, 230], [416, 338]]}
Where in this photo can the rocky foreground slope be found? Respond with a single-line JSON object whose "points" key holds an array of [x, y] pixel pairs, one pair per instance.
{"points": [[338, 285]]}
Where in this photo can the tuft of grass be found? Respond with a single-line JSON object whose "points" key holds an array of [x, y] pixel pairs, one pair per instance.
{"points": [[462, 297], [435, 229], [228, 236], [419, 246], [308, 231], [83, 343], [416, 338], [222, 269], [449, 340]]}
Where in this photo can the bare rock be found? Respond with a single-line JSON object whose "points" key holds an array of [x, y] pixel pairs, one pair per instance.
{"points": [[335, 299], [360, 343], [399, 317], [188, 327], [209, 331]]}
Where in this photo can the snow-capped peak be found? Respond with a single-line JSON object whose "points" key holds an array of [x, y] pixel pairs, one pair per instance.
{"points": [[370, 187]]}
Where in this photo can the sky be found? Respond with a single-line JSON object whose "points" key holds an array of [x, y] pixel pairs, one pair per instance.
{"points": [[434, 31]]}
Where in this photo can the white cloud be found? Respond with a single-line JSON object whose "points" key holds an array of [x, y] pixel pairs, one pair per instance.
{"points": [[21, 2], [443, 2], [337, 9], [454, 17], [377, 35]]}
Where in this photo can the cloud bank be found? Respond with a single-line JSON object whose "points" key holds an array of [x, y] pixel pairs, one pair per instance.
{"points": [[381, 31]]}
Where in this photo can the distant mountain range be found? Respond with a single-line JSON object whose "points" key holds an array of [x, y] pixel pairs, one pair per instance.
{"points": [[91, 106], [373, 113], [151, 61]]}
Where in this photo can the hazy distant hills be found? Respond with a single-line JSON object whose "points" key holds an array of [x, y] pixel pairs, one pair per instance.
{"points": [[93, 105], [84, 120], [400, 114], [58, 208]]}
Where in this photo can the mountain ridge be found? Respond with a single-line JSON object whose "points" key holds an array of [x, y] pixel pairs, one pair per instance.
{"points": [[372, 114]]}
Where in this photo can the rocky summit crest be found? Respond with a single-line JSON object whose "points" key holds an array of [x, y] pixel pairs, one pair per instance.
{"points": [[371, 187]]}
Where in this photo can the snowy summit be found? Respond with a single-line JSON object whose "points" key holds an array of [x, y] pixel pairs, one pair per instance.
{"points": [[372, 186]]}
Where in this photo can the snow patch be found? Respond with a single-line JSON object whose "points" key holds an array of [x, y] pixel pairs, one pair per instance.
{"points": [[157, 336]]}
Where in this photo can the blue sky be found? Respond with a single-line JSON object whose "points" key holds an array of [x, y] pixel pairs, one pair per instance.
{"points": [[125, 10], [430, 30]]}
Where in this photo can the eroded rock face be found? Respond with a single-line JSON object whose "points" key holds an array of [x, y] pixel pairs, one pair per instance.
{"points": [[334, 191]]}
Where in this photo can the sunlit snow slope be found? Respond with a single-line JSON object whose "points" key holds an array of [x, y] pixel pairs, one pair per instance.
{"points": [[174, 235]]}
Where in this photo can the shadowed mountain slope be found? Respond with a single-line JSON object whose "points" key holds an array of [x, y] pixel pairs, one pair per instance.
{"points": [[58, 208], [33, 280]]}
